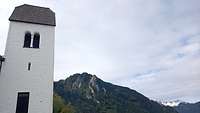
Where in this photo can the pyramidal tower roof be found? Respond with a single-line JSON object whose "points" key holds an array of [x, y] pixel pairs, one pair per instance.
{"points": [[33, 14]]}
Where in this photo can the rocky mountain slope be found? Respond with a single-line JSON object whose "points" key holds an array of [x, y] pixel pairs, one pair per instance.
{"points": [[85, 93]]}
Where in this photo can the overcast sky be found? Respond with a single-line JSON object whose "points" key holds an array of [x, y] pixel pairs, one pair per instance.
{"points": [[152, 46]]}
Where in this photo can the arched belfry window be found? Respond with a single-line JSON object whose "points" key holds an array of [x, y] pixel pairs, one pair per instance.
{"points": [[27, 40], [36, 40]]}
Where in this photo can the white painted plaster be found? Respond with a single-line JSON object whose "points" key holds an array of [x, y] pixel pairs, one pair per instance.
{"points": [[15, 77]]}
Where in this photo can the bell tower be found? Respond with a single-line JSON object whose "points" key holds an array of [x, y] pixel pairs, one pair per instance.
{"points": [[26, 74]]}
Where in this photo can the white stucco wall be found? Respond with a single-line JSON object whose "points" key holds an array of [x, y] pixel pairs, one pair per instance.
{"points": [[15, 76]]}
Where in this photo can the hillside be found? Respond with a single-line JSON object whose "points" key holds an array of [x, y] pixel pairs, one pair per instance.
{"points": [[85, 93]]}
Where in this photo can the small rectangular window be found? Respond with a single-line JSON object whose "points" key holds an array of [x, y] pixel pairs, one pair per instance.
{"points": [[29, 66], [22, 102]]}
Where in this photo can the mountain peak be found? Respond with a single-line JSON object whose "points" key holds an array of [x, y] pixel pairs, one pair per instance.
{"points": [[83, 76], [84, 79], [85, 83]]}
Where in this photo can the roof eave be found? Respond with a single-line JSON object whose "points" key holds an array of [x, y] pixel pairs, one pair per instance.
{"points": [[31, 22]]}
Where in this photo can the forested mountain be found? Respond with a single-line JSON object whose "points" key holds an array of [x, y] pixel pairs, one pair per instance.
{"points": [[85, 93]]}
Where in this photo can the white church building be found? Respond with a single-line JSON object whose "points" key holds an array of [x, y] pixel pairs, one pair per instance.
{"points": [[26, 69]]}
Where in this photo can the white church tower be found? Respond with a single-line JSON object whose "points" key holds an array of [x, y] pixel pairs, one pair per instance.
{"points": [[26, 74]]}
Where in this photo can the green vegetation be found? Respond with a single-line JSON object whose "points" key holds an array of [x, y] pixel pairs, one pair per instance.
{"points": [[60, 107]]}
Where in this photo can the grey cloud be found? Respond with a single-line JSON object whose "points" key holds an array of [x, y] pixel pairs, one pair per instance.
{"points": [[118, 39]]}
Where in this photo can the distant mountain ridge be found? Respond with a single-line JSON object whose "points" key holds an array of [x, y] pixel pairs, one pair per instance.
{"points": [[85, 93], [188, 108]]}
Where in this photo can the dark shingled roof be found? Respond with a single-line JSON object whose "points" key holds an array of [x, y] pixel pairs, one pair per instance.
{"points": [[33, 14]]}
